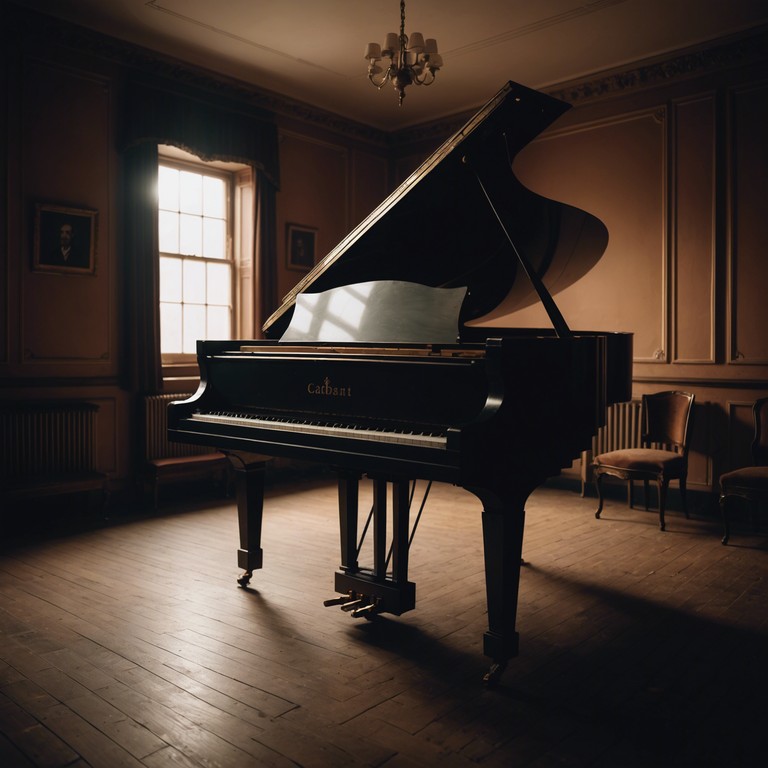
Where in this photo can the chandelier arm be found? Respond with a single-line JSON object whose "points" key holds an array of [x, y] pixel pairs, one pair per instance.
{"points": [[385, 76]]}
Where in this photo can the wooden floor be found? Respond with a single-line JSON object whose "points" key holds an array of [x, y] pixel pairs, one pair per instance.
{"points": [[132, 645]]}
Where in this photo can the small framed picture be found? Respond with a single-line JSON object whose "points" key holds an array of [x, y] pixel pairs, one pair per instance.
{"points": [[64, 240], [300, 247]]}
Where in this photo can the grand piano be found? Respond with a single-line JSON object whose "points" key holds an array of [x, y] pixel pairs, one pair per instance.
{"points": [[379, 364]]}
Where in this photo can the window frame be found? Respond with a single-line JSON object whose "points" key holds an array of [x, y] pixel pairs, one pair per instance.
{"points": [[184, 364]]}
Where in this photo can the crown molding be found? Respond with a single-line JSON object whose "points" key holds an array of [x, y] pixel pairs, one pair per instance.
{"points": [[715, 56]]}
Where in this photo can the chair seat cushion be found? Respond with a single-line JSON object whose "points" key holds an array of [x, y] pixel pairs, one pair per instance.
{"points": [[643, 460], [746, 477]]}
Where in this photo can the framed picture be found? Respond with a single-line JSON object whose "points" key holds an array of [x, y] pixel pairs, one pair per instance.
{"points": [[300, 247], [65, 239]]}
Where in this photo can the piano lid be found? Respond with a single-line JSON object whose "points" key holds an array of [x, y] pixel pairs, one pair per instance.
{"points": [[438, 228]]}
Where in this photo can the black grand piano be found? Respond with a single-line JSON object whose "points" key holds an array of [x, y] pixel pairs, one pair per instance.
{"points": [[375, 365]]}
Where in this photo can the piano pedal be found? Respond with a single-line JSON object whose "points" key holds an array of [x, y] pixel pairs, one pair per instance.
{"points": [[351, 605], [366, 611], [340, 600]]}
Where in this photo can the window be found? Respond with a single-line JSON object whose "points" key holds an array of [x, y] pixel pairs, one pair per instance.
{"points": [[196, 259]]}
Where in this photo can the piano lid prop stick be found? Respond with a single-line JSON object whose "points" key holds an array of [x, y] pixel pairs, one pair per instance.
{"points": [[558, 321]]}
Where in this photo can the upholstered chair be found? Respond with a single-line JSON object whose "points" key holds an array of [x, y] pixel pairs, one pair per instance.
{"points": [[666, 420], [748, 483]]}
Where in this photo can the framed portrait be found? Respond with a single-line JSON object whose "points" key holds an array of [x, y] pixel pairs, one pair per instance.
{"points": [[64, 239], [300, 247]]}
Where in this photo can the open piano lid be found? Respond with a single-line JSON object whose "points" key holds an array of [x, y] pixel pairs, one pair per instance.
{"points": [[439, 229]]}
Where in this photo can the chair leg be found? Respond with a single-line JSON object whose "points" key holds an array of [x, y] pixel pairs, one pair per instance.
{"points": [[599, 488], [630, 494], [683, 497], [662, 502], [724, 515]]}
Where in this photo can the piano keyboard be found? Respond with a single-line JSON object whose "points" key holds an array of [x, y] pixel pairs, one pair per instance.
{"points": [[318, 428]]}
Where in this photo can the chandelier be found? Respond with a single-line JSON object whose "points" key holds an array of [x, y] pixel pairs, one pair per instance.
{"points": [[411, 59]]}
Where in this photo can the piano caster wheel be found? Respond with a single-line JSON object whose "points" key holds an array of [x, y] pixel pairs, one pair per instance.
{"points": [[493, 675], [245, 578]]}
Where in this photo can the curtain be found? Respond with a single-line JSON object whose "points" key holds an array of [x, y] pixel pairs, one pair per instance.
{"points": [[266, 247], [210, 125], [213, 127], [141, 269]]}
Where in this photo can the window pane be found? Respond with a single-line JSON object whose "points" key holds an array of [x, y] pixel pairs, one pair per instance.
{"points": [[191, 192], [170, 279], [169, 232], [194, 281], [191, 236], [215, 232], [218, 323], [219, 284], [170, 328], [196, 272], [194, 327], [214, 197], [168, 188]]}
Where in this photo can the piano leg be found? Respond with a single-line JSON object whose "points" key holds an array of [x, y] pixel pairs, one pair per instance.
{"points": [[503, 544], [249, 472], [349, 484]]}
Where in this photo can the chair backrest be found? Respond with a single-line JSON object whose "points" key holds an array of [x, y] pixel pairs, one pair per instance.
{"points": [[760, 442], [667, 419]]}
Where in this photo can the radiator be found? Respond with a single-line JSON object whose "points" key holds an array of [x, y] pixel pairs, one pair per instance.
{"points": [[622, 429], [47, 438], [157, 445]]}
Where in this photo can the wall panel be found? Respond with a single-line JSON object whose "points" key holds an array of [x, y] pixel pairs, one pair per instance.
{"points": [[66, 158], [693, 251], [369, 185], [615, 170], [314, 187], [749, 225]]}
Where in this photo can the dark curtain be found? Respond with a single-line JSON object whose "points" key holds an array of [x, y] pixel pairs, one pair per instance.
{"points": [[213, 127], [266, 247], [141, 269]]}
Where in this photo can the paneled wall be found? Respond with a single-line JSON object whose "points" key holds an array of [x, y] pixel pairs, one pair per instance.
{"points": [[671, 156], [62, 334], [677, 169]]}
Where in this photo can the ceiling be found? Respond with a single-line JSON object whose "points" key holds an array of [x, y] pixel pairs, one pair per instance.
{"points": [[312, 50]]}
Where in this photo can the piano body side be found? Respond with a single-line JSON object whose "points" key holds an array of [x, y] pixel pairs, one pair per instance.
{"points": [[529, 404]]}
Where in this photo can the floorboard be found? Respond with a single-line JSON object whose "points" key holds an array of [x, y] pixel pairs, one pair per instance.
{"points": [[129, 643]]}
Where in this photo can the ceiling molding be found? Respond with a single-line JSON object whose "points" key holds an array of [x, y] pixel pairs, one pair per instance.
{"points": [[749, 49]]}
